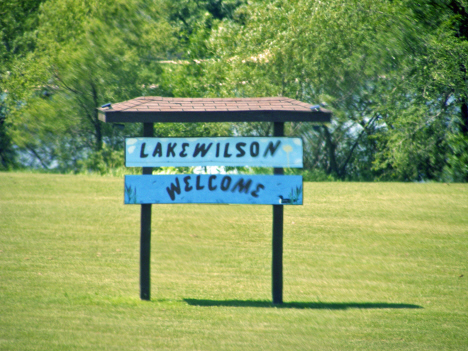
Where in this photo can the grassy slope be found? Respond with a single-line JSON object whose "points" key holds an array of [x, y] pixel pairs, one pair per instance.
{"points": [[367, 266]]}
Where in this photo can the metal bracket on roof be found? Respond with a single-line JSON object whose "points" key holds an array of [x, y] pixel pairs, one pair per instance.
{"points": [[315, 107]]}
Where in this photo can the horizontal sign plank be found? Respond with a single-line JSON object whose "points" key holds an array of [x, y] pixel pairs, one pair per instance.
{"points": [[237, 151], [213, 189]]}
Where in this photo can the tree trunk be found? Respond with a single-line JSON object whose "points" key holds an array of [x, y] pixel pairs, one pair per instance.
{"points": [[98, 131], [464, 117], [4, 146], [96, 122], [331, 148]]}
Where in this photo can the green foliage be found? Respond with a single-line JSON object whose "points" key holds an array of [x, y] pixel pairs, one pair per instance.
{"points": [[422, 112], [456, 169], [333, 52], [18, 19], [87, 53], [96, 53], [193, 22], [393, 73], [102, 161], [394, 78], [44, 130]]}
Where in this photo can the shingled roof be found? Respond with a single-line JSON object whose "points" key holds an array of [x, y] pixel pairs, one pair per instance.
{"points": [[162, 109]]}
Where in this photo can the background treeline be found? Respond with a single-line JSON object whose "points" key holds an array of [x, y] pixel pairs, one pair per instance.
{"points": [[394, 73]]}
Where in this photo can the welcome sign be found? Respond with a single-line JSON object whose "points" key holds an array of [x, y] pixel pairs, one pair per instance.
{"points": [[237, 151], [276, 152], [213, 189]]}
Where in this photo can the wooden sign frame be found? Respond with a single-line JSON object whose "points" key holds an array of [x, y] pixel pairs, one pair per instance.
{"points": [[155, 109], [277, 233]]}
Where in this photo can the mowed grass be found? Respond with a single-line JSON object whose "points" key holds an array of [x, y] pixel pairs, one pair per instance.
{"points": [[367, 266]]}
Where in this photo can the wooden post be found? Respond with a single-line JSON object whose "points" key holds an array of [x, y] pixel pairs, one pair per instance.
{"points": [[145, 233], [277, 239]]}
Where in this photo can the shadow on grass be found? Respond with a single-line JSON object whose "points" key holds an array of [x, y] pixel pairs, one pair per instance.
{"points": [[300, 305]]}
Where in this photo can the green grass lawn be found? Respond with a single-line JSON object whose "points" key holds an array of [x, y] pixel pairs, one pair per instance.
{"points": [[379, 266]]}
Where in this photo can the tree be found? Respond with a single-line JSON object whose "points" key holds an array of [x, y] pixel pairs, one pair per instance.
{"points": [[424, 136], [17, 21], [88, 53], [333, 52], [393, 72], [393, 82], [193, 22]]}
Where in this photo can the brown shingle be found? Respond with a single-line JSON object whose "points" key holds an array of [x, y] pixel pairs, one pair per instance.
{"points": [[163, 109], [155, 103]]}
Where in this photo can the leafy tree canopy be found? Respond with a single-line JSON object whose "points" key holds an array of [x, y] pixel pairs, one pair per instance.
{"points": [[393, 72]]}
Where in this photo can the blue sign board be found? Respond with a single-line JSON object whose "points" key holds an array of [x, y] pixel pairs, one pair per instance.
{"points": [[237, 151], [213, 189]]}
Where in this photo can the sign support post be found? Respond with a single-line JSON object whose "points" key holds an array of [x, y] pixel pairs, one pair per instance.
{"points": [[277, 238], [145, 232]]}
